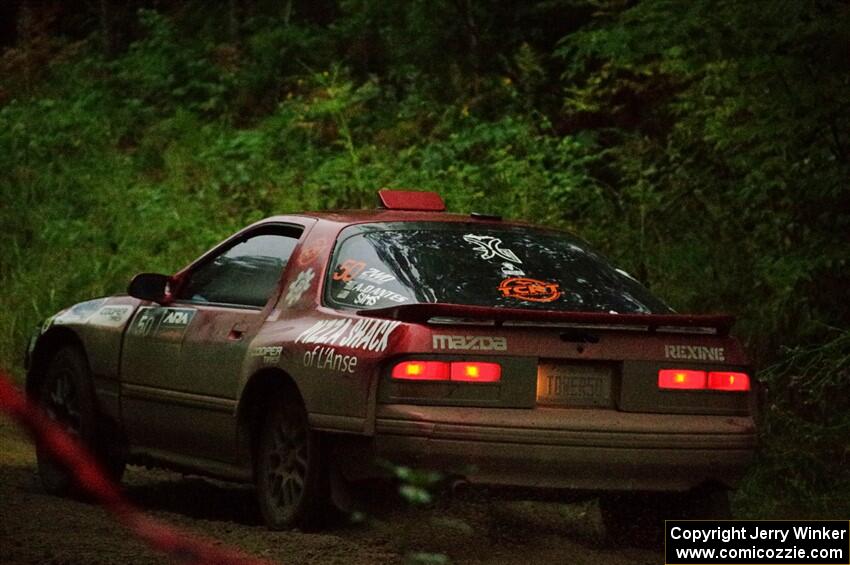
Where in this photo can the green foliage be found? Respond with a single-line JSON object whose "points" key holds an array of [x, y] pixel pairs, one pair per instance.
{"points": [[416, 485], [804, 464], [728, 144], [703, 145]]}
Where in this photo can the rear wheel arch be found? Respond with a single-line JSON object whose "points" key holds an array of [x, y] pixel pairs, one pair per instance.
{"points": [[257, 395]]}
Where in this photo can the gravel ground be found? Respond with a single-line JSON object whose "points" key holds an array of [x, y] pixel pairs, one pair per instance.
{"points": [[38, 528]]}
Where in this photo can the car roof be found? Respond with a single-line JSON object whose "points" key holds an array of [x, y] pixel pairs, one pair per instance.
{"points": [[350, 217]]}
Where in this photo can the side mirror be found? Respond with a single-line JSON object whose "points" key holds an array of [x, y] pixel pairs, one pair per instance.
{"points": [[150, 286]]}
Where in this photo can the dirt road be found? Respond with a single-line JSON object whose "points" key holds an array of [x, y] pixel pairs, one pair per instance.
{"points": [[37, 528]]}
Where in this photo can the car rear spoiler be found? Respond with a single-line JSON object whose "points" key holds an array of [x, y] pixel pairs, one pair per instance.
{"points": [[482, 315]]}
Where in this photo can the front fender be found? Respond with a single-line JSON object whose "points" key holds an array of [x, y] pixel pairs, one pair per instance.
{"points": [[97, 328]]}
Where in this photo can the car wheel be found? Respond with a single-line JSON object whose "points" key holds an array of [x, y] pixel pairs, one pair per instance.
{"points": [[291, 489], [638, 518], [66, 395]]}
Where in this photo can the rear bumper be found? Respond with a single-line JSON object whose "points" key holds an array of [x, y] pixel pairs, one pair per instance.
{"points": [[567, 448]]}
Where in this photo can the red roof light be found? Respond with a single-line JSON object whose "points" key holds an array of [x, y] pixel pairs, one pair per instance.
{"points": [[411, 200]]}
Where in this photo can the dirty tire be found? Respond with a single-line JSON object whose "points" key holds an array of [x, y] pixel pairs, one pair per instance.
{"points": [[291, 487], [637, 519], [67, 396]]}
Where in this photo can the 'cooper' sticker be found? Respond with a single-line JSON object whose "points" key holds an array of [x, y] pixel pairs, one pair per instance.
{"points": [[111, 316], [270, 354], [532, 290]]}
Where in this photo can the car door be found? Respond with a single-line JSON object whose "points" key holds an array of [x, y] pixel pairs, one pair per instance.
{"points": [[185, 402]]}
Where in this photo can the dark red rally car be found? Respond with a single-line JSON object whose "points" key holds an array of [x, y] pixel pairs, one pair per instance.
{"points": [[304, 348]]}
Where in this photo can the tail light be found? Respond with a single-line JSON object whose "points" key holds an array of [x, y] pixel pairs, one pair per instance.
{"points": [[476, 372], [728, 381], [459, 371], [687, 379], [681, 379], [422, 371]]}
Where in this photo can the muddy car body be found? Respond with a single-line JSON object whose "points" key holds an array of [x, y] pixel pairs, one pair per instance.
{"points": [[312, 343]]}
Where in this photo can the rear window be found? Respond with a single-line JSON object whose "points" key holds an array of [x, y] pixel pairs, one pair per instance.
{"points": [[378, 266]]}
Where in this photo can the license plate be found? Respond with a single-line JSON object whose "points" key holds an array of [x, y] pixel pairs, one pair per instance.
{"points": [[577, 384]]}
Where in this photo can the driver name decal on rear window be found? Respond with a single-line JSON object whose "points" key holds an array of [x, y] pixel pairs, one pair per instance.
{"points": [[488, 247], [376, 276], [533, 290], [368, 335], [362, 285], [368, 294], [299, 286]]}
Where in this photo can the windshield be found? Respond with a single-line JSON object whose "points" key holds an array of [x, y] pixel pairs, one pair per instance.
{"points": [[377, 266]]}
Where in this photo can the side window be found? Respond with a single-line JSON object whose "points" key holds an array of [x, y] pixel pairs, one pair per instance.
{"points": [[245, 274]]}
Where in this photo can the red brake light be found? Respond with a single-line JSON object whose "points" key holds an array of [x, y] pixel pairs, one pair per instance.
{"points": [[681, 379], [476, 372], [463, 371], [723, 380], [422, 371]]}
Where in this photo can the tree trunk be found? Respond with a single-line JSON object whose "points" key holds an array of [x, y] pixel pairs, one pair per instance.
{"points": [[233, 21], [287, 12], [107, 28], [464, 8]]}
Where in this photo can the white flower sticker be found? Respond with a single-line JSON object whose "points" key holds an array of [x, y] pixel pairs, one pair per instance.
{"points": [[299, 286]]}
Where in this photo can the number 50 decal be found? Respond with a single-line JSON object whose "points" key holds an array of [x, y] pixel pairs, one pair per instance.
{"points": [[349, 270]]}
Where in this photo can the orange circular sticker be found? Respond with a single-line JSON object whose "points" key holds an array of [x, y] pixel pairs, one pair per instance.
{"points": [[310, 253], [533, 290]]}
